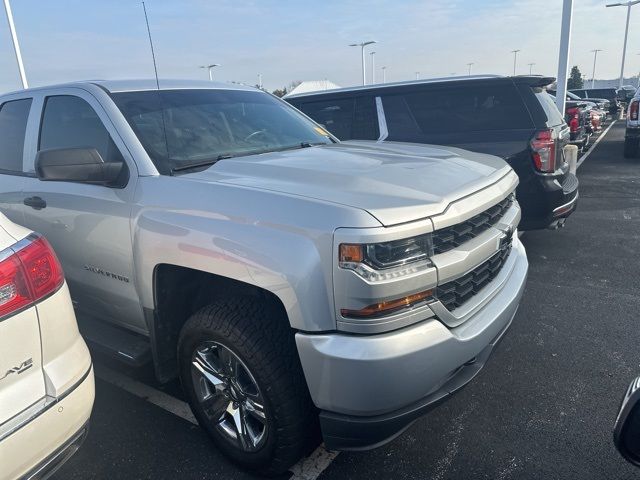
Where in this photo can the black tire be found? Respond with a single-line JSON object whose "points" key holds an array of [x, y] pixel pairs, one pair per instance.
{"points": [[258, 333], [631, 147]]}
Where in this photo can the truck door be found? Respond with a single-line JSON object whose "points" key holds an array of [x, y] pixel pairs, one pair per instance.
{"points": [[88, 225]]}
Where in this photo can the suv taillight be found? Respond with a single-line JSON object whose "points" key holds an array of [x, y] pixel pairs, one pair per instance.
{"points": [[29, 272], [543, 146], [574, 118], [633, 110]]}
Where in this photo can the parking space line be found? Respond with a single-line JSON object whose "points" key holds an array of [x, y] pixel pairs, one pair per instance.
{"points": [[311, 467], [152, 395], [602, 135], [308, 468]]}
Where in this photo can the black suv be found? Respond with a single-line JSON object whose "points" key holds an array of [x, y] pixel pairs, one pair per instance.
{"points": [[512, 117], [610, 94]]}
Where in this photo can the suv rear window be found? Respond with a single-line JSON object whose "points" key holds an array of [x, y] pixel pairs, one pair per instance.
{"points": [[548, 105], [461, 108], [13, 125]]}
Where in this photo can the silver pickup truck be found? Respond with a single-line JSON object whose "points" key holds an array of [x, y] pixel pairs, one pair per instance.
{"points": [[295, 284]]}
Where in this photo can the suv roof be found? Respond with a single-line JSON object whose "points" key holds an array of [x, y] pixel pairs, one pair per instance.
{"points": [[535, 79], [114, 86]]}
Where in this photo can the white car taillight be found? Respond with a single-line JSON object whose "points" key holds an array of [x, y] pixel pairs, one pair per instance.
{"points": [[543, 146], [29, 271]]}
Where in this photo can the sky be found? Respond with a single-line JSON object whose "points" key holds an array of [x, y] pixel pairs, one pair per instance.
{"points": [[287, 41]]}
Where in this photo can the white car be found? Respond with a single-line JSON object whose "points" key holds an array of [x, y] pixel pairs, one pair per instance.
{"points": [[46, 374]]}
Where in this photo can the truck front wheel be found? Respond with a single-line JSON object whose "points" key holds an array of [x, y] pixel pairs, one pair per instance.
{"points": [[240, 371]]}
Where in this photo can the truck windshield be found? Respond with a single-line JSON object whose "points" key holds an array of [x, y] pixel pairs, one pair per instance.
{"points": [[179, 128]]}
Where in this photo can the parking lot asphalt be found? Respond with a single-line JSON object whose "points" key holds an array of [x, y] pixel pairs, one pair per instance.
{"points": [[543, 407]]}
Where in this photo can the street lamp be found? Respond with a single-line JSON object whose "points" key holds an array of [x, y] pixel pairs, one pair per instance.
{"points": [[16, 45], [531, 67], [210, 68], [384, 74], [373, 67], [362, 45], [593, 74], [470, 64], [515, 56], [626, 32]]}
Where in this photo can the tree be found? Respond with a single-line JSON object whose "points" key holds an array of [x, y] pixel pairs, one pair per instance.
{"points": [[281, 92], [575, 78]]}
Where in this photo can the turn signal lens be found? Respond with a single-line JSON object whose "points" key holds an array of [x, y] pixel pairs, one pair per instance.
{"points": [[351, 253], [388, 307]]}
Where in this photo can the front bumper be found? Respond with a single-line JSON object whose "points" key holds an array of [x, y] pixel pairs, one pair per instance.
{"points": [[43, 444], [369, 388]]}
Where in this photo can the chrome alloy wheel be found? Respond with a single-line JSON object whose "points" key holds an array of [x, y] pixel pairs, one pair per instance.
{"points": [[229, 396]]}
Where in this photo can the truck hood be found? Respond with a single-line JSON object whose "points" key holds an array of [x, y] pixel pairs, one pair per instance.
{"points": [[394, 182]]}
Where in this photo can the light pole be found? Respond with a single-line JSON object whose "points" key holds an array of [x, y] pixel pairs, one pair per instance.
{"points": [[531, 67], [210, 68], [16, 45], [362, 45], [470, 64], [373, 67], [515, 57], [593, 74], [260, 81], [384, 74], [626, 33], [563, 55]]}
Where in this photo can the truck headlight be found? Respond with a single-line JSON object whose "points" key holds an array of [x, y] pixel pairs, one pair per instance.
{"points": [[387, 260]]}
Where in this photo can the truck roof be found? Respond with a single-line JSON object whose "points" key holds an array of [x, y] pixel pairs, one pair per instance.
{"points": [[114, 86]]}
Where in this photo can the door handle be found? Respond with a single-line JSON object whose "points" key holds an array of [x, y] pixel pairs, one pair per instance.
{"points": [[36, 203]]}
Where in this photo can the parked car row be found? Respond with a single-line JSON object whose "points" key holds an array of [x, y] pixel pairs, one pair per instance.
{"points": [[584, 117]]}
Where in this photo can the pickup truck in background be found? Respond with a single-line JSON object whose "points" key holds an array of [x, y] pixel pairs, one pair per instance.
{"points": [[632, 132], [296, 285]]}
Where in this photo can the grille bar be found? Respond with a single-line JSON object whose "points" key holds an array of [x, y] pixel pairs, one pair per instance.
{"points": [[451, 237], [455, 293]]}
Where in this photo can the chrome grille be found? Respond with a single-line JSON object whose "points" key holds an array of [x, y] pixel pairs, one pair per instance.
{"points": [[455, 293], [451, 237]]}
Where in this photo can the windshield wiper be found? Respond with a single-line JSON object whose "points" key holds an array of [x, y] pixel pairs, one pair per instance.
{"points": [[204, 163]]}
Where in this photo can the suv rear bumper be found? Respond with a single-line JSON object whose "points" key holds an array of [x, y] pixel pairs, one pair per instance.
{"points": [[632, 132], [370, 388], [43, 444], [545, 200]]}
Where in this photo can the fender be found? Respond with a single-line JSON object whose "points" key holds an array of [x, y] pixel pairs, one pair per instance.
{"points": [[270, 240]]}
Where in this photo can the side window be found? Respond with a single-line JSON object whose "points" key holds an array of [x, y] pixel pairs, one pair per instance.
{"points": [[335, 115], [13, 125], [365, 119], [70, 122], [467, 108]]}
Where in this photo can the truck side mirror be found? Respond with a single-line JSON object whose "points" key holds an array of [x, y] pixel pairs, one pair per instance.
{"points": [[626, 433], [81, 165]]}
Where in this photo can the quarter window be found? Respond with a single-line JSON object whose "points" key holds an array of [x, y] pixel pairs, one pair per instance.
{"points": [[70, 122], [13, 125]]}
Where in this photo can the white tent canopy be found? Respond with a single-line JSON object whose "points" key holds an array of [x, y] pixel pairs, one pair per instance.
{"points": [[313, 86]]}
